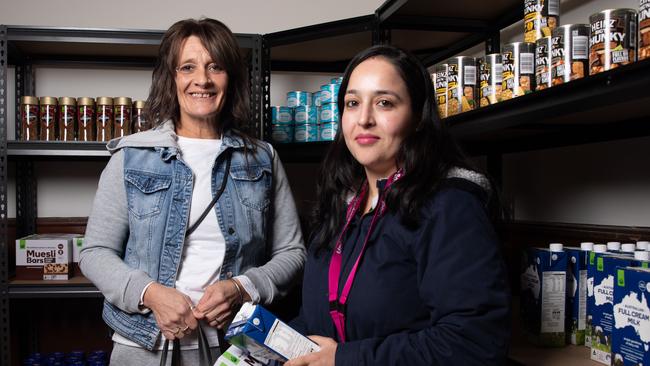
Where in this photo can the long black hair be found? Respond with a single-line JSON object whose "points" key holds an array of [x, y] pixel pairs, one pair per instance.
{"points": [[426, 154]]}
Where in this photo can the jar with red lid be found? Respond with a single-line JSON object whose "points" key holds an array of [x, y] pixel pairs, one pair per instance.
{"points": [[122, 116], [47, 118], [104, 119], [29, 118], [86, 113], [67, 118]]}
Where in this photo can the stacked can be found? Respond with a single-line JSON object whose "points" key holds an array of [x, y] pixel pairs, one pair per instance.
{"points": [[543, 78], [491, 75], [306, 123], [613, 39], [328, 114], [518, 60], [540, 18], [440, 85], [569, 52], [281, 124]]}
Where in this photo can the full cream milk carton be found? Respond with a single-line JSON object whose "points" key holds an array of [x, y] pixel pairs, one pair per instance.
{"points": [[234, 356], [576, 295], [543, 295], [265, 337], [631, 331], [598, 250], [602, 316], [43, 257]]}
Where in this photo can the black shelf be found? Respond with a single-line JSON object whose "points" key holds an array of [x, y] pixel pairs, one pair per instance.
{"points": [[76, 287], [608, 106], [44, 149], [306, 152]]}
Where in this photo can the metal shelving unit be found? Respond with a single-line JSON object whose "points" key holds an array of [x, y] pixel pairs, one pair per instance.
{"points": [[26, 48]]}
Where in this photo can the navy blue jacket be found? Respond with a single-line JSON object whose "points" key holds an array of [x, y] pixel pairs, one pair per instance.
{"points": [[437, 295]]}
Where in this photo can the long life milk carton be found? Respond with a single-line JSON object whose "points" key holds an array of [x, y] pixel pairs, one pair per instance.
{"points": [[602, 316], [631, 332], [234, 356], [598, 250], [576, 295], [543, 295], [265, 337]]}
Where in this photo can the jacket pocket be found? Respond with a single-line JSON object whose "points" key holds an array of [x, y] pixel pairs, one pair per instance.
{"points": [[146, 191], [252, 184]]}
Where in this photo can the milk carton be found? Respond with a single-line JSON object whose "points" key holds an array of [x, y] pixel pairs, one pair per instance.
{"points": [[43, 257], [576, 295], [631, 331], [543, 295], [598, 250], [602, 320], [235, 356], [265, 337]]}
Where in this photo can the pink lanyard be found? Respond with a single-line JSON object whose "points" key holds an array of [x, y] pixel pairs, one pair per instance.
{"points": [[337, 304]]}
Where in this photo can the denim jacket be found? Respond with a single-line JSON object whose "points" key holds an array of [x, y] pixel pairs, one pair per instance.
{"points": [[136, 231]]}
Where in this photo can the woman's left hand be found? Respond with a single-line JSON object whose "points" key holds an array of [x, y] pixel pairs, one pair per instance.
{"points": [[219, 303], [324, 357]]}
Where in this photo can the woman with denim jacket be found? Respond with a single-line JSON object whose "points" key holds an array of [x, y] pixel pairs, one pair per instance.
{"points": [[404, 267], [159, 282]]}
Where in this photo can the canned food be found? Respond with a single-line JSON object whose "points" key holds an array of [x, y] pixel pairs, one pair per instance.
{"points": [[540, 18], [104, 119], [86, 113], [316, 98], [305, 114], [329, 93], [329, 112], [67, 118], [337, 80], [282, 132], [29, 118], [327, 131], [569, 52], [543, 77], [491, 77], [139, 122], [306, 132], [644, 29], [440, 84], [296, 98], [281, 114], [122, 116], [461, 84], [48, 107], [518, 69], [613, 39]]}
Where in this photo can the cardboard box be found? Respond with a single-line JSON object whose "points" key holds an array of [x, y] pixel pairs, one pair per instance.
{"points": [[265, 337], [43, 257], [576, 295], [234, 356], [77, 244], [543, 296], [631, 332]]}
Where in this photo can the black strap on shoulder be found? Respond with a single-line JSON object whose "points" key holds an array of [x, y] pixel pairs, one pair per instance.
{"points": [[467, 186], [205, 213]]}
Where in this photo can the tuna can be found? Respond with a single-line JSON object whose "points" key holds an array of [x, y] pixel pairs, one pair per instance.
{"points": [[329, 93], [327, 131], [67, 118], [518, 69], [104, 119], [569, 53], [440, 85], [490, 75], [28, 118], [305, 114], [613, 39], [138, 121], [543, 79], [282, 132], [306, 132], [329, 112], [461, 84], [540, 18], [644, 29], [281, 114], [297, 98], [86, 114], [316, 99], [47, 119], [122, 116]]}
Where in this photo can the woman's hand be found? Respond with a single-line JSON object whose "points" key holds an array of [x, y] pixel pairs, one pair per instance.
{"points": [[324, 357], [172, 309], [219, 302]]}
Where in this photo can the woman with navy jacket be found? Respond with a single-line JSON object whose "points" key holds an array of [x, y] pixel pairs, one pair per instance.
{"points": [[404, 267]]}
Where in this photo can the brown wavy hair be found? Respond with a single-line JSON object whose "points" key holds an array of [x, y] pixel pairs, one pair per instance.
{"points": [[162, 103]]}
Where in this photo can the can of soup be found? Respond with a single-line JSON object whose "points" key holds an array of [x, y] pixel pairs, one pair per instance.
{"points": [[543, 78], [491, 77], [613, 39], [518, 60], [440, 84], [540, 18], [644, 29], [569, 52], [461, 84]]}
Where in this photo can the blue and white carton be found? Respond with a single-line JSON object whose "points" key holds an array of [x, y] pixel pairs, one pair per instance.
{"points": [[234, 356], [598, 250], [576, 295], [265, 337], [631, 332]]}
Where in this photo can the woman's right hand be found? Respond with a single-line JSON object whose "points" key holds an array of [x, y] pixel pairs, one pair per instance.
{"points": [[172, 309]]}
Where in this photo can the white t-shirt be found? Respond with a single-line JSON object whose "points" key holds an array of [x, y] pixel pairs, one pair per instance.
{"points": [[205, 249]]}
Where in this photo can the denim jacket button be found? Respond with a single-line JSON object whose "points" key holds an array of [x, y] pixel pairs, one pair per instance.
{"points": [[229, 275], [231, 231]]}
